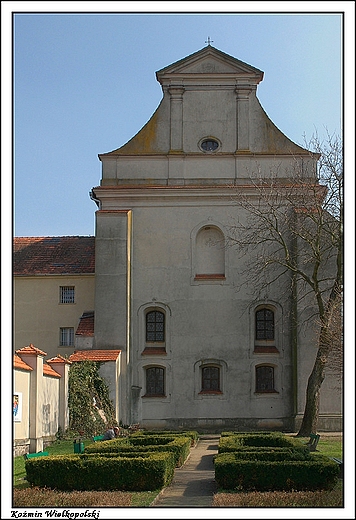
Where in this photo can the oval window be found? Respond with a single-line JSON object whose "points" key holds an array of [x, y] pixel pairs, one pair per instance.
{"points": [[209, 145]]}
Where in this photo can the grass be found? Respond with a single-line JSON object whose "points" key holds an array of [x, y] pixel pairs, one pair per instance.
{"points": [[39, 497], [331, 447], [26, 496], [333, 498]]}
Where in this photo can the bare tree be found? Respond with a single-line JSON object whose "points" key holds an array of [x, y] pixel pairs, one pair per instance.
{"points": [[291, 228], [335, 338]]}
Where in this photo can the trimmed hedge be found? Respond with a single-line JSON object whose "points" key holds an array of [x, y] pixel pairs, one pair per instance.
{"points": [[178, 445], [254, 432], [276, 454], [194, 435], [233, 473], [276, 440], [142, 472]]}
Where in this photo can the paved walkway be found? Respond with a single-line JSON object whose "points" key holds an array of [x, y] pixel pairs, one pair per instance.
{"points": [[193, 484]]}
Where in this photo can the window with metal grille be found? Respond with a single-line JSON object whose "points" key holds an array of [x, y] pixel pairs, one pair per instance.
{"points": [[66, 337], [264, 324], [210, 379], [155, 381], [155, 327], [265, 379], [66, 294]]}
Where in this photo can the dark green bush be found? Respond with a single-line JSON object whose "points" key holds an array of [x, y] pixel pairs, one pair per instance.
{"points": [[254, 432], [149, 440], [84, 385], [178, 445], [232, 473], [276, 454], [194, 435], [122, 454], [102, 472], [275, 439]]}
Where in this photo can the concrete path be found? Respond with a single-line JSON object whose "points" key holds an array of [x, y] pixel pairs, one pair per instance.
{"points": [[193, 484]]}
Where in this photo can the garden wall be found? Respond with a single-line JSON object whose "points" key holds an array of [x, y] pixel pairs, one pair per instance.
{"points": [[40, 399]]}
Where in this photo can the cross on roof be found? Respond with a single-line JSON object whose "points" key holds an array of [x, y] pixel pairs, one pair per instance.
{"points": [[209, 41]]}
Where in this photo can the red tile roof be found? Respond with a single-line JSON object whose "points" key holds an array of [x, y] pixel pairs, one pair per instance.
{"points": [[20, 364], [59, 359], [94, 355], [86, 324], [54, 255], [31, 349], [49, 371]]}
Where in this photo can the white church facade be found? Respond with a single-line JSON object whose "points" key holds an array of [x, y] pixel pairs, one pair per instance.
{"points": [[196, 350]]}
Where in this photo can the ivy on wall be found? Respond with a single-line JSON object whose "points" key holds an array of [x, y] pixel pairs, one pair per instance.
{"points": [[90, 408]]}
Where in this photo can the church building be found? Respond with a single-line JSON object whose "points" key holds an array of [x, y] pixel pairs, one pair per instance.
{"points": [[196, 350]]}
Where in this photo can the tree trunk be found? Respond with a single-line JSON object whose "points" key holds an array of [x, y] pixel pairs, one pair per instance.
{"points": [[311, 410]]}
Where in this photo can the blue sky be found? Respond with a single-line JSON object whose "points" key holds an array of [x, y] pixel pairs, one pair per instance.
{"points": [[84, 84]]}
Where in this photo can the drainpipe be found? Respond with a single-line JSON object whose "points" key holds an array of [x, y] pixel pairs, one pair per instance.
{"points": [[294, 330]]}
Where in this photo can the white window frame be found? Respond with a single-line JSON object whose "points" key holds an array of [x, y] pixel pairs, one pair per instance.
{"points": [[66, 292], [66, 337]]}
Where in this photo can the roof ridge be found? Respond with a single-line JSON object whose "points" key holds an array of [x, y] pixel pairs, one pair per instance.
{"points": [[31, 349]]}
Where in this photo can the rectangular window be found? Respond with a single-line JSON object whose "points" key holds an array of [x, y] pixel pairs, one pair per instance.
{"points": [[265, 379], [66, 294], [155, 327], [265, 324], [155, 381], [66, 337], [211, 379]]}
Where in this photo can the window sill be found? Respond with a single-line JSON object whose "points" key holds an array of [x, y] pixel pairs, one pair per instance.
{"points": [[266, 392], [210, 277], [267, 350], [210, 392], [160, 396], [154, 351]]}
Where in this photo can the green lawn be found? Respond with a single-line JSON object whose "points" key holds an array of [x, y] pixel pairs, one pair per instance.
{"points": [[331, 447]]}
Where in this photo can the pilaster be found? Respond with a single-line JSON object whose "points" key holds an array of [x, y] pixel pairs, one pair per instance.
{"points": [[111, 279], [61, 365], [243, 117], [176, 112]]}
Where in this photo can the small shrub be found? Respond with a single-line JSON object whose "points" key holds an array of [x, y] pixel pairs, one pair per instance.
{"points": [[178, 445], [102, 472], [253, 432], [233, 473], [232, 443], [194, 435], [272, 454]]}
